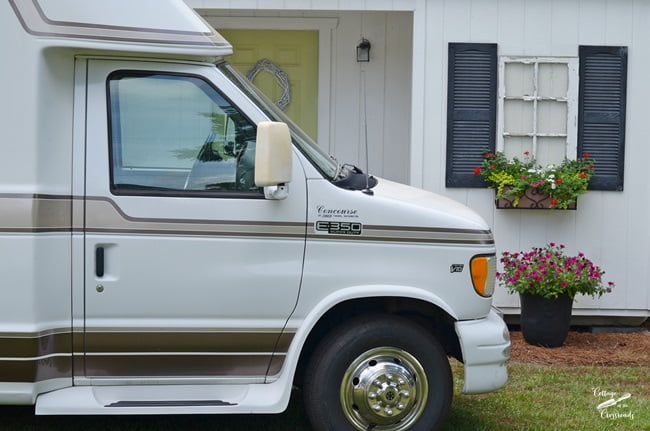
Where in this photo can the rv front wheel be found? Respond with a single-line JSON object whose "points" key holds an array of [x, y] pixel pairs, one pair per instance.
{"points": [[383, 373]]}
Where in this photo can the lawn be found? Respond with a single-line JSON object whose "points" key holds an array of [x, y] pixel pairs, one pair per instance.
{"points": [[540, 398]]}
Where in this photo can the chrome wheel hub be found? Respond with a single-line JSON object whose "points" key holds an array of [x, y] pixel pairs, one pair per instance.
{"points": [[384, 388]]}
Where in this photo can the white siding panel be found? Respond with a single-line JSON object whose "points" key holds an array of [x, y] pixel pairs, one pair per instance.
{"points": [[420, 72], [537, 37], [327, 4], [431, 160], [297, 4], [511, 26], [592, 22], [396, 155], [378, 5], [484, 19], [274, 4], [564, 30], [458, 14], [620, 15]]}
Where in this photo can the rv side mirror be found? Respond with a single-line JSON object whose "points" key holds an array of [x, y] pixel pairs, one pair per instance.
{"points": [[273, 159]]}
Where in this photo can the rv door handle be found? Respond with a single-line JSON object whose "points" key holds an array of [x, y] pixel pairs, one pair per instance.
{"points": [[99, 262]]}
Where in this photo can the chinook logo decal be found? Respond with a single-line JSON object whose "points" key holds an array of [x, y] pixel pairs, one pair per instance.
{"points": [[339, 227]]}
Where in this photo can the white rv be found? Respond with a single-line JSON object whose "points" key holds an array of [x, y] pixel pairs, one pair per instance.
{"points": [[171, 243]]}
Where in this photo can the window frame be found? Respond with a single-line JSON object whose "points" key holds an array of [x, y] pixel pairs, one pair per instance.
{"points": [[571, 100], [144, 191]]}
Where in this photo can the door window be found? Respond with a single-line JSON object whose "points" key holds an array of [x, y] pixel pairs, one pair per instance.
{"points": [[177, 134]]}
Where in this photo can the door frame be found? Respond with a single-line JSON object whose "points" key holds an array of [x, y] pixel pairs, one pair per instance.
{"points": [[324, 26]]}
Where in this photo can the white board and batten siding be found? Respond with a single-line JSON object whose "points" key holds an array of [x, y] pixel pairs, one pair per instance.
{"points": [[407, 113]]}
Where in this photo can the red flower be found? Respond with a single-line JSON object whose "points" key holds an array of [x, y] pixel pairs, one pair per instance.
{"points": [[477, 171], [488, 155], [554, 202], [558, 181], [492, 166], [586, 155], [590, 167], [526, 153], [582, 175]]}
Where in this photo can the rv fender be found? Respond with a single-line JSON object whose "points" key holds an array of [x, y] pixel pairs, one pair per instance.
{"points": [[304, 326]]}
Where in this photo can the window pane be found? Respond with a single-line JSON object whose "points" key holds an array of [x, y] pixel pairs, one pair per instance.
{"points": [[517, 146], [553, 80], [518, 116], [177, 133], [519, 79], [550, 150], [551, 117]]}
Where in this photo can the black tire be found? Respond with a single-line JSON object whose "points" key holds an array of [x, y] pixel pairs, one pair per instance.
{"points": [[364, 374]]}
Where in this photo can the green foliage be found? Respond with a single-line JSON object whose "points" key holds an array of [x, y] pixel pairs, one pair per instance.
{"points": [[562, 183]]}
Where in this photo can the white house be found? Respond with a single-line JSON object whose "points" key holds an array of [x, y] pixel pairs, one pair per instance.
{"points": [[448, 78]]}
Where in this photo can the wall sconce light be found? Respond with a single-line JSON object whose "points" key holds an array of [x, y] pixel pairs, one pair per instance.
{"points": [[363, 51]]}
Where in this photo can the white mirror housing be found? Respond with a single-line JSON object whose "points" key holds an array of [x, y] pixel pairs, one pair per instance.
{"points": [[272, 154]]}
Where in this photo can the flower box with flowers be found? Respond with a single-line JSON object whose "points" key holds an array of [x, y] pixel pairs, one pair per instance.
{"points": [[526, 185]]}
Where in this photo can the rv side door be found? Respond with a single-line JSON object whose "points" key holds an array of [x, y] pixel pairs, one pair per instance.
{"points": [[190, 271]]}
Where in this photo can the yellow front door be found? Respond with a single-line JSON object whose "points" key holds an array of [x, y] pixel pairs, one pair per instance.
{"points": [[290, 77]]}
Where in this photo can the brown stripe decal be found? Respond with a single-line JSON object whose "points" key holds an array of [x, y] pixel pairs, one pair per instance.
{"points": [[182, 342], [177, 366], [35, 346], [35, 370], [110, 353]]}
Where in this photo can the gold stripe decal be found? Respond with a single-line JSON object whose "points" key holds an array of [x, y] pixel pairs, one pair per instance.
{"points": [[24, 213], [104, 216]]}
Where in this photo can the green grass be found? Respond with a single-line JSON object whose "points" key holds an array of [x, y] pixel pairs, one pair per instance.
{"points": [[540, 398]]}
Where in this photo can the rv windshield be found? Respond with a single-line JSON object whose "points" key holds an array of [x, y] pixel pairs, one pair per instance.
{"points": [[323, 161]]}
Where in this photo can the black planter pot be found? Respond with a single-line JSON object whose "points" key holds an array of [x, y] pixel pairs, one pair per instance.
{"points": [[545, 321]]}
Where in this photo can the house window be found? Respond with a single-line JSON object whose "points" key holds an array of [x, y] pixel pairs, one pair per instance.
{"points": [[538, 107], [551, 107]]}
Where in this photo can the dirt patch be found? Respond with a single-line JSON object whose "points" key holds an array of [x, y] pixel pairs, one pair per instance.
{"points": [[585, 348]]}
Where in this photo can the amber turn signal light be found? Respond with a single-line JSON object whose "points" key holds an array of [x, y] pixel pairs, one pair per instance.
{"points": [[483, 270]]}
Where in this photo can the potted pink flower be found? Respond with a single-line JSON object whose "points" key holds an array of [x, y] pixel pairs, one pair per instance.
{"points": [[547, 281]]}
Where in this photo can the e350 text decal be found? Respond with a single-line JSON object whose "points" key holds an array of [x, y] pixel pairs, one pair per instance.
{"points": [[339, 227]]}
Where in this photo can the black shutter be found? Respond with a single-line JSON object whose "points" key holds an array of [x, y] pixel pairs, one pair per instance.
{"points": [[601, 113], [471, 110]]}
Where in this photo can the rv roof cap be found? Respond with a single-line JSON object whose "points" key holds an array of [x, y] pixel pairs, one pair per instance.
{"points": [[161, 26]]}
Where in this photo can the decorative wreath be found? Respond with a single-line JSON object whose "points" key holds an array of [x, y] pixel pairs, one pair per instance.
{"points": [[280, 76]]}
